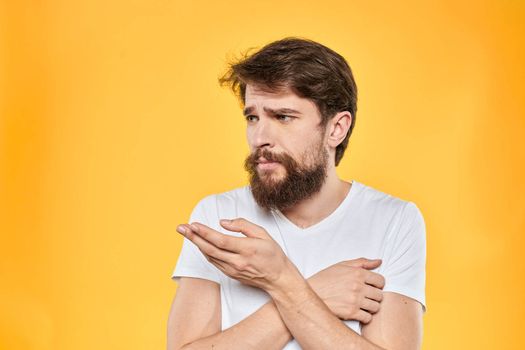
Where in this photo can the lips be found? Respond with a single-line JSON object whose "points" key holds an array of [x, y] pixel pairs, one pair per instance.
{"points": [[264, 164], [263, 160]]}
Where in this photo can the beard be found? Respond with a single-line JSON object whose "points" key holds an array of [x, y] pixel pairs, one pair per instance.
{"points": [[300, 181]]}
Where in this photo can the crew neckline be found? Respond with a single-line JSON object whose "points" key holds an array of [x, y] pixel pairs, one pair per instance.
{"points": [[332, 216]]}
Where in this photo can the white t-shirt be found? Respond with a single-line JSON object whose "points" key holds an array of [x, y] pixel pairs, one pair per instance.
{"points": [[368, 223]]}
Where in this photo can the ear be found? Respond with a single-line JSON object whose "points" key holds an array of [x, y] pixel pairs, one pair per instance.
{"points": [[338, 128]]}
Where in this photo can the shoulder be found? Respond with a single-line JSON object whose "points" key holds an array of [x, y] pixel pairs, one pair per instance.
{"points": [[383, 204]]}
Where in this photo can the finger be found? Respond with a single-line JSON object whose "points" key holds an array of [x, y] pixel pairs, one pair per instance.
{"points": [[373, 293], [221, 265], [204, 246], [363, 316], [363, 262], [249, 229], [371, 264], [370, 305], [218, 239], [375, 279]]}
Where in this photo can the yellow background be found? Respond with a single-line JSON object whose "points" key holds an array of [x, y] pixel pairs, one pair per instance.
{"points": [[113, 126]]}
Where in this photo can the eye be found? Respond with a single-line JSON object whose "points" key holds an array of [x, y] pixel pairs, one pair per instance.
{"points": [[251, 118], [284, 117]]}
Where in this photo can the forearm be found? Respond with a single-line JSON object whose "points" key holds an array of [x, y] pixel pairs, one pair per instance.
{"points": [[264, 329], [310, 321]]}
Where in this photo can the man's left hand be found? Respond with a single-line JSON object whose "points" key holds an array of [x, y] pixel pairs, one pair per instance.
{"points": [[256, 260]]}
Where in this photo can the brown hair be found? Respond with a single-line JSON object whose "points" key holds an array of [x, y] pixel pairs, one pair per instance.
{"points": [[309, 69]]}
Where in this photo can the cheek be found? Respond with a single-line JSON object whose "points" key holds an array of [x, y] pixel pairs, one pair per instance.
{"points": [[299, 150], [249, 138], [312, 151]]}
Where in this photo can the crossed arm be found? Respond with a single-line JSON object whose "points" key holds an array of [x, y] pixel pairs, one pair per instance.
{"points": [[308, 310]]}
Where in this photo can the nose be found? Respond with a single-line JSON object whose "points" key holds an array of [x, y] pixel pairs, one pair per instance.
{"points": [[261, 134]]}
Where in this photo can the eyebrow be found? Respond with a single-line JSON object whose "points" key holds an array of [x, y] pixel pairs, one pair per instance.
{"points": [[249, 110]]}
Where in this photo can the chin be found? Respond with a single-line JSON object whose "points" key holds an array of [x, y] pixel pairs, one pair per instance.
{"points": [[274, 175]]}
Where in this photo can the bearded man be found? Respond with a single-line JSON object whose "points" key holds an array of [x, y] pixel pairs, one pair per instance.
{"points": [[280, 264]]}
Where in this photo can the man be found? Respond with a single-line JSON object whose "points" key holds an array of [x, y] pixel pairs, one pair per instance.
{"points": [[287, 271]]}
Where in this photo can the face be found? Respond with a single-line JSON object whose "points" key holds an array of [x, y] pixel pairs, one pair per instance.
{"points": [[288, 160]]}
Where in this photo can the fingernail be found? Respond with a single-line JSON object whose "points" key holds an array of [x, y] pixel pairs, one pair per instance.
{"points": [[181, 229], [226, 222], [194, 227]]}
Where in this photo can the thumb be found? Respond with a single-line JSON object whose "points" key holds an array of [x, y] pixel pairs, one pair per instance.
{"points": [[247, 228]]}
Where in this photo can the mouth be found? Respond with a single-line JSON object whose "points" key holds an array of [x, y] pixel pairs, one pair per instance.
{"points": [[265, 164]]}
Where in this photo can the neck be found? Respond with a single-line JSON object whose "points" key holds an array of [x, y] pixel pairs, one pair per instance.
{"points": [[314, 209]]}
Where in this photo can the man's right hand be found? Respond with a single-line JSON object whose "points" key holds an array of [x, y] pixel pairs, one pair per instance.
{"points": [[349, 289]]}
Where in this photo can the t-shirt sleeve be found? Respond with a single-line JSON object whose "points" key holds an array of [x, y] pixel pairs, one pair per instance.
{"points": [[191, 262], [405, 256]]}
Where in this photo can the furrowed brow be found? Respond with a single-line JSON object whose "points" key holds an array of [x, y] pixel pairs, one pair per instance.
{"points": [[281, 111], [247, 111]]}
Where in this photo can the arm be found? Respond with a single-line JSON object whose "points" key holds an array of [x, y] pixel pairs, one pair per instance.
{"points": [[195, 322], [397, 325], [227, 260], [309, 319], [195, 312], [195, 317]]}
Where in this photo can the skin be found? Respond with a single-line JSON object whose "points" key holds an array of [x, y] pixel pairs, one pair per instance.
{"points": [[312, 310]]}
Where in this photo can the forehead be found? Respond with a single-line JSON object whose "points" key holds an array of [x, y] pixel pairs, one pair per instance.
{"points": [[258, 99]]}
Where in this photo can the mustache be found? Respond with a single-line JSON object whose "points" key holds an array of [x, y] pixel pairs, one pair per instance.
{"points": [[251, 161], [272, 157]]}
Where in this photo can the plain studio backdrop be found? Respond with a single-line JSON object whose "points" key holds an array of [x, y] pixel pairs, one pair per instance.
{"points": [[113, 126]]}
